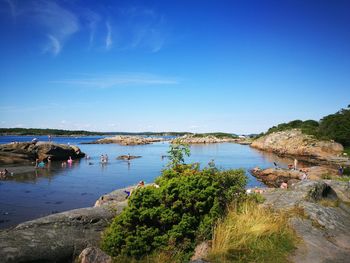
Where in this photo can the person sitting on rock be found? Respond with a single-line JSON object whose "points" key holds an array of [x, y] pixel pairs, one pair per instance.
{"points": [[128, 192], [304, 176], [284, 185], [340, 170], [140, 184]]}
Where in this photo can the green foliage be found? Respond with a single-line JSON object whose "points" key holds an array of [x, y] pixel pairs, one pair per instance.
{"points": [[346, 170], [347, 151], [337, 126], [308, 127], [177, 153], [332, 127], [175, 216]]}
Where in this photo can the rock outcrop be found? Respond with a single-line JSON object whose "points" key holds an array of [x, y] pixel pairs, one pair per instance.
{"points": [[127, 157], [60, 237], [24, 152], [191, 139], [127, 140], [274, 177], [320, 215], [295, 143], [94, 255]]}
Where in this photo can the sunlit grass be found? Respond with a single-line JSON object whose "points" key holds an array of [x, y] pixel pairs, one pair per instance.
{"points": [[251, 233]]}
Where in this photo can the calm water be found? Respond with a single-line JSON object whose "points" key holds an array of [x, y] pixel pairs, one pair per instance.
{"points": [[56, 189]]}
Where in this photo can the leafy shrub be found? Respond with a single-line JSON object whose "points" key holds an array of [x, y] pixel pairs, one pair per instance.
{"points": [[177, 214], [346, 171], [332, 127]]}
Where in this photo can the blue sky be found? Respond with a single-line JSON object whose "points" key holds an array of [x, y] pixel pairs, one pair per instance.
{"points": [[200, 66]]}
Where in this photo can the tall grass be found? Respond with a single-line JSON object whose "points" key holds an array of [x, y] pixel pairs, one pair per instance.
{"points": [[251, 233]]}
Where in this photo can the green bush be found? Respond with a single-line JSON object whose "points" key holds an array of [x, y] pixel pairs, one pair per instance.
{"points": [[179, 213], [332, 127]]}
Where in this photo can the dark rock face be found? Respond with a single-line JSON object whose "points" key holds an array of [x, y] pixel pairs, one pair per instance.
{"points": [[323, 220], [25, 152]]}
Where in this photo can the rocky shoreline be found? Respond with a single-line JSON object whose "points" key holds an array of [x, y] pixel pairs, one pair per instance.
{"points": [[192, 139], [274, 177], [320, 214], [127, 140], [62, 237], [293, 143]]}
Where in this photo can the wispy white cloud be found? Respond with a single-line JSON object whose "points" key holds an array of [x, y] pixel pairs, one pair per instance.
{"points": [[109, 40], [118, 81], [54, 46], [92, 20], [58, 21], [47, 17]]}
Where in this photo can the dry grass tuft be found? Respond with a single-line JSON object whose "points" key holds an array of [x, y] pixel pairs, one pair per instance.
{"points": [[251, 233]]}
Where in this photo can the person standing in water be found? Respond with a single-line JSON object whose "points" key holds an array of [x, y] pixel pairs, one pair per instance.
{"points": [[295, 164]]}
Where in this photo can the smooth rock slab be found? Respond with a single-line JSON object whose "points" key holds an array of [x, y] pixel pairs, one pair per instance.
{"points": [[56, 238], [324, 230]]}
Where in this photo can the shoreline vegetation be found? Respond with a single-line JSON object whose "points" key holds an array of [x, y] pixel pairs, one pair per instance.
{"points": [[334, 127], [186, 210]]}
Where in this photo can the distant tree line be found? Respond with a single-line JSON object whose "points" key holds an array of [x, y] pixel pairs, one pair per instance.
{"points": [[331, 127], [58, 132]]}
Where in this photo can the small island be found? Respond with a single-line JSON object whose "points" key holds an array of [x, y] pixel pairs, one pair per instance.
{"points": [[127, 140]]}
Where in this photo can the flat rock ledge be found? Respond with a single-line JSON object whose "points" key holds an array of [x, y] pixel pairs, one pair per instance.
{"points": [[60, 237], [127, 140], [128, 157], [274, 177], [320, 215]]}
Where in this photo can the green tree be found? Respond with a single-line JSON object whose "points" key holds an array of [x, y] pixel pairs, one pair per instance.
{"points": [[177, 153], [337, 126]]}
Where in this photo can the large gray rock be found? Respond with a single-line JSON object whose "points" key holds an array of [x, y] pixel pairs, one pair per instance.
{"points": [[322, 219], [59, 237]]}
